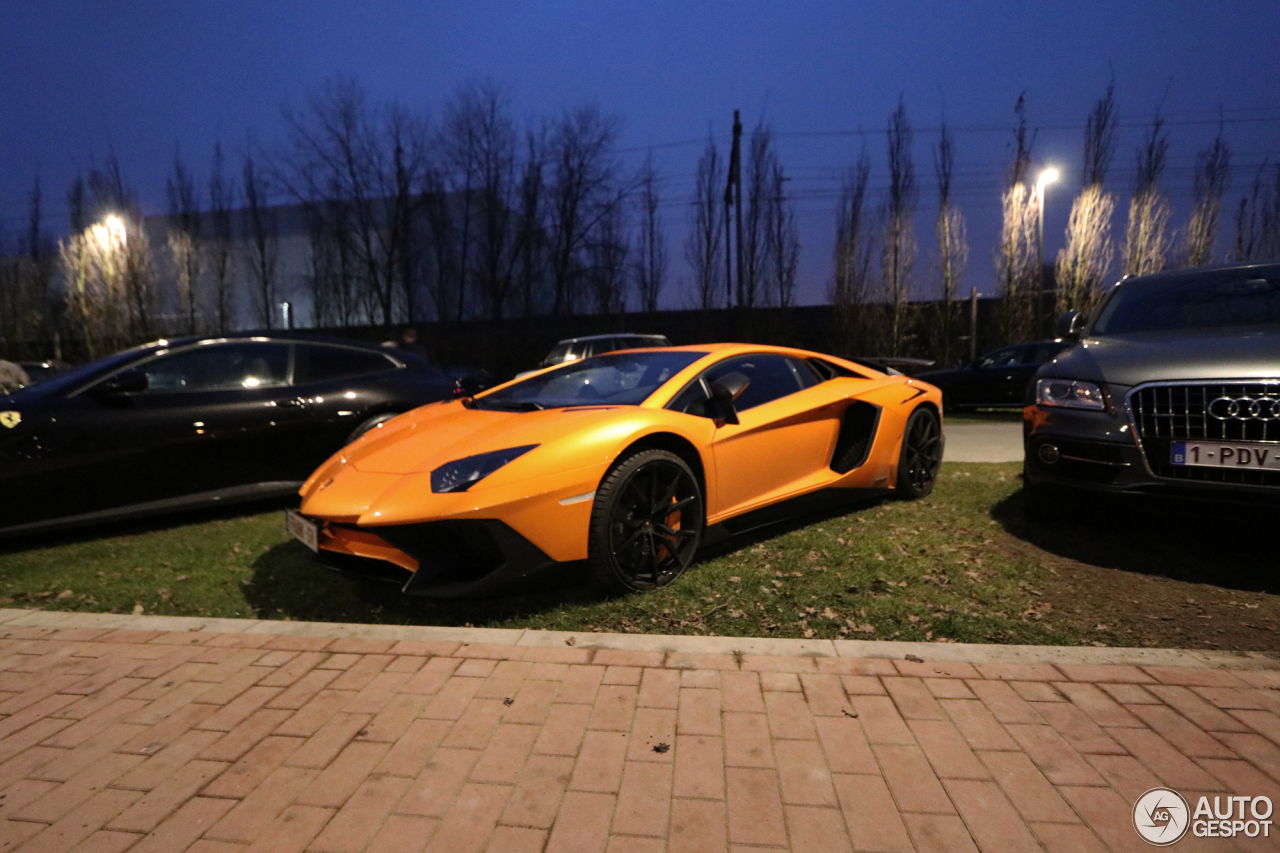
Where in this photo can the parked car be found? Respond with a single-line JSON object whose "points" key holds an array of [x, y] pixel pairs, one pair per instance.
{"points": [[995, 380], [1174, 389], [630, 461], [195, 421], [572, 349]]}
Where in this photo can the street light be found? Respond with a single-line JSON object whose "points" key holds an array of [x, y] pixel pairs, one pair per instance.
{"points": [[110, 235], [1048, 176]]}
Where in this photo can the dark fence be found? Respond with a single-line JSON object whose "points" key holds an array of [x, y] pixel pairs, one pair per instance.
{"points": [[508, 346]]}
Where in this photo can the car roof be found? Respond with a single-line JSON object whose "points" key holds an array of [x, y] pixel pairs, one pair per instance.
{"points": [[1270, 269], [608, 336], [277, 336]]}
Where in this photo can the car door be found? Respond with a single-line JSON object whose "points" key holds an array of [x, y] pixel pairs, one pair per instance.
{"points": [[787, 424], [212, 416]]}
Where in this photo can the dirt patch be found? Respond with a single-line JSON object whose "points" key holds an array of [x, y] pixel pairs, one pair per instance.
{"points": [[1156, 573]]}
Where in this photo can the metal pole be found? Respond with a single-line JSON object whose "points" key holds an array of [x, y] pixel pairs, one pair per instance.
{"points": [[737, 171], [973, 324], [1039, 257]]}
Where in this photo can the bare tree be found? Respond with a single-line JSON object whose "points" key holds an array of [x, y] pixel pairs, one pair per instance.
{"points": [[107, 265], [358, 168], [705, 242], [1212, 176], [1256, 217], [583, 191], [1100, 139], [446, 265], [755, 236], [898, 248], [531, 236], [608, 271], [651, 260], [482, 144], [262, 253], [1146, 245], [113, 197], [222, 199], [1084, 260], [1016, 256], [26, 303], [782, 247], [1269, 224], [851, 288], [338, 297], [953, 247], [186, 242]]}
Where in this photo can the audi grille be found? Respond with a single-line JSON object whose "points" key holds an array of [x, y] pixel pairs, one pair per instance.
{"points": [[1237, 410]]}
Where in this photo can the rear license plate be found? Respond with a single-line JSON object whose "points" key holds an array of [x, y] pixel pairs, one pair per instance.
{"points": [[1213, 454], [303, 529]]}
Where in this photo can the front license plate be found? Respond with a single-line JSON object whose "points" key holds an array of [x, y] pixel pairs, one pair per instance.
{"points": [[1213, 454], [303, 529]]}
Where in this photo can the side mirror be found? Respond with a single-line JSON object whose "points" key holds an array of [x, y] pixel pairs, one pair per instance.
{"points": [[1070, 324], [728, 388], [131, 381]]}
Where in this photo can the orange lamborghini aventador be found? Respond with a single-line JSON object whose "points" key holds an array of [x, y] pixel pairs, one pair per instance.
{"points": [[629, 460]]}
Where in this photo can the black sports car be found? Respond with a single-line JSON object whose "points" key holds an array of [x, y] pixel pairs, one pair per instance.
{"points": [[1174, 388], [995, 380], [196, 421]]}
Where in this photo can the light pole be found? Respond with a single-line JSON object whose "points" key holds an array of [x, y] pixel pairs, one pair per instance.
{"points": [[1048, 176]]}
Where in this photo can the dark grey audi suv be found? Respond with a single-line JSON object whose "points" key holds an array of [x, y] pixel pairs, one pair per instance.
{"points": [[1173, 388]]}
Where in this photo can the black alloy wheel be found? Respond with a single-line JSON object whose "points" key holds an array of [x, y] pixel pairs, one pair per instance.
{"points": [[646, 523], [921, 455]]}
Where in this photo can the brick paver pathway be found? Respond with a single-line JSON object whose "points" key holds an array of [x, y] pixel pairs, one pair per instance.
{"points": [[162, 742]]}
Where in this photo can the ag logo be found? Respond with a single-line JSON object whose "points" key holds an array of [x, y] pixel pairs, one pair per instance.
{"points": [[1161, 816], [10, 419]]}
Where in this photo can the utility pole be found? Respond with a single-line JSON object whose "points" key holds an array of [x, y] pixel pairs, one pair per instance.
{"points": [[735, 181]]}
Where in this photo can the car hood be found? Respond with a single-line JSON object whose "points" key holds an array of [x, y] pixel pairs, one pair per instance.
{"points": [[1131, 359], [430, 436]]}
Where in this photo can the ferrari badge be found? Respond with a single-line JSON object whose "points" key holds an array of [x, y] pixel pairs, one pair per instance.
{"points": [[10, 419]]}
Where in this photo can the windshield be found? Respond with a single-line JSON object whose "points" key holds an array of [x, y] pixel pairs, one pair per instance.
{"points": [[616, 379], [1221, 300]]}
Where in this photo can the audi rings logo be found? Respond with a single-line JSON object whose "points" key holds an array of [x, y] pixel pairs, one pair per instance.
{"points": [[1246, 408]]}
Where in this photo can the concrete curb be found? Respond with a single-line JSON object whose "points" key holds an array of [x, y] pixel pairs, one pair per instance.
{"points": [[667, 643]]}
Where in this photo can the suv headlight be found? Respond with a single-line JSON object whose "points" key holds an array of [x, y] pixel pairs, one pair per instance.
{"points": [[461, 474], [1070, 394]]}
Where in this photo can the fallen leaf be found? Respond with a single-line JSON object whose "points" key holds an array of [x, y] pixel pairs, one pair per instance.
{"points": [[661, 747], [914, 659], [848, 713], [571, 641], [508, 701]]}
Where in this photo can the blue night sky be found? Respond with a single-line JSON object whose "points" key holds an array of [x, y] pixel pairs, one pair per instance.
{"points": [[149, 78]]}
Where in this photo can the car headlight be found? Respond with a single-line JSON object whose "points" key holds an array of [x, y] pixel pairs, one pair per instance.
{"points": [[1070, 393], [461, 474]]}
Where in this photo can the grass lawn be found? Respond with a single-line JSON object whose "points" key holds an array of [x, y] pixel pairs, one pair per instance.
{"points": [[961, 565]]}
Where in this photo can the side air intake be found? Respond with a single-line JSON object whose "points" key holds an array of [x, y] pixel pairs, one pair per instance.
{"points": [[857, 431]]}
